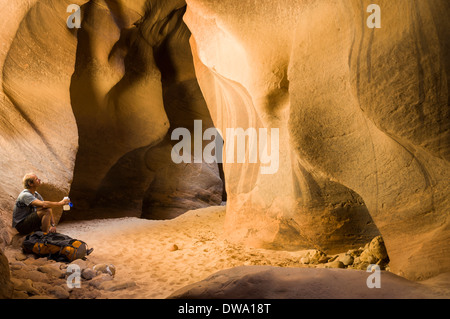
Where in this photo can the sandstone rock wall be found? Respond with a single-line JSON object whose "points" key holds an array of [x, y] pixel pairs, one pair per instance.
{"points": [[361, 112], [134, 82], [363, 116], [89, 110], [36, 58], [79, 104], [6, 287]]}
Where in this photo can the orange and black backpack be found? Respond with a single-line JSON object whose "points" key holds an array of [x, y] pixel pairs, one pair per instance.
{"points": [[55, 246]]}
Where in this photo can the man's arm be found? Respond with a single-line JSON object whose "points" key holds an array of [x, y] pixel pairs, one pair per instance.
{"points": [[47, 204]]}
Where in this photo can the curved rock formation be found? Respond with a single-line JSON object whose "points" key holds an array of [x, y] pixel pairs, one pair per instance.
{"points": [[36, 59], [362, 116], [360, 111], [134, 82], [97, 93], [267, 282]]}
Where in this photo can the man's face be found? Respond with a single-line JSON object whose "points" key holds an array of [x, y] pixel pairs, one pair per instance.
{"points": [[36, 181]]}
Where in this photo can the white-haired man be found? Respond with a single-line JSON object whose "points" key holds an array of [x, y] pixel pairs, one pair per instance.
{"points": [[31, 212]]}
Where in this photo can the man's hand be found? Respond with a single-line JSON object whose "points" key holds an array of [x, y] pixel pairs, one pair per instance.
{"points": [[65, 202]]}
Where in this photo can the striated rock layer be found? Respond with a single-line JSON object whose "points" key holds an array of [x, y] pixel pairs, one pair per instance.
{"points": [[37, 125], [134, 82], [362, 113], [90, 110]]}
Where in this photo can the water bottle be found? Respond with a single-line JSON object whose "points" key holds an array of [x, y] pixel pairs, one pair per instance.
{"points": [[67, 207]]}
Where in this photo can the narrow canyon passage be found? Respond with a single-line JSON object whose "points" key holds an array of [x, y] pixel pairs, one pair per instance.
{"points": [[195, 136]]}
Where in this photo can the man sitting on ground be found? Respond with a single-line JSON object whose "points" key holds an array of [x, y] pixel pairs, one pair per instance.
{"points": [[31, 212]]}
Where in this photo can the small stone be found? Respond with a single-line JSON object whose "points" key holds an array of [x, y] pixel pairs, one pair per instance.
{"points": [[52, 271], [106, 269], [335, 264], [81, 263], [98, 280], [16, 265], [25, 286], [33, 275], [367, 257], [318, 257], [355, 252], [377, 248], [42, 286], [305, 260], [100, 268], [111, 270], [173, 247], [347, 260], [36, 261], [362, 266], [20, 257], [16, 282], [88, 274], [59, 292]]}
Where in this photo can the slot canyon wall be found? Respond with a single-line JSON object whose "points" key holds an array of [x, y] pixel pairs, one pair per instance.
{"points": [[360, 110], [91, 110], [134, 82], [363, 117], [38, 128]]}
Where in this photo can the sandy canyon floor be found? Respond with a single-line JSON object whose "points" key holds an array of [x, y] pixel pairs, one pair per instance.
{"points": [[143, 251], [154, 259]]}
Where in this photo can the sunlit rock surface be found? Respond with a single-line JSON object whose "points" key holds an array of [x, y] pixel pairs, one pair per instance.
{"points": [[91, 110], [362, 114], [360, 111], [134, 82], [37, 125]]}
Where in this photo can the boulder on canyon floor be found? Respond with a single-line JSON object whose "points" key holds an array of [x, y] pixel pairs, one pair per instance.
{"points": [[267, 282]]}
